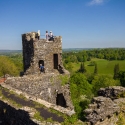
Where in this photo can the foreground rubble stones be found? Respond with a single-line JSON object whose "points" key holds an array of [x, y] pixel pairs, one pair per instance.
{"points": [[105, 105], [112, 92], [101, 108]]}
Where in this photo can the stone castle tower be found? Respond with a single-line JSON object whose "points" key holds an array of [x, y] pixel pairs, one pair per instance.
{"points": [[39, 51], [47, 86]]}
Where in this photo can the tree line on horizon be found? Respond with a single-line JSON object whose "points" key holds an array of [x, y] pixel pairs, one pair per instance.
{"points": [[86, 55]]}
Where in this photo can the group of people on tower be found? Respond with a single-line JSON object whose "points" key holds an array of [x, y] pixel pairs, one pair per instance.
{"points": [[50, 36]]}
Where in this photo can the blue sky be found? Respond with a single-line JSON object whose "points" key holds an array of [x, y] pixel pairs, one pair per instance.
{"points": [[81, 23]]}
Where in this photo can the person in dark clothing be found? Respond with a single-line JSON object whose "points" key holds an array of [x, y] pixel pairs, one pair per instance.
{"points": [[51, 37], [42, 68]]}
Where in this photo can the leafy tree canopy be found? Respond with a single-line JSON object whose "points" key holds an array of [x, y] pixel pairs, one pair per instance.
{"points": [[122, 78], [7, 66], [80, 85], [81, 93], [102, 81]]}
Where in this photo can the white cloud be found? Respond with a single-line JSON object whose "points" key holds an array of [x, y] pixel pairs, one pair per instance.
{"points": [[96, 2]]}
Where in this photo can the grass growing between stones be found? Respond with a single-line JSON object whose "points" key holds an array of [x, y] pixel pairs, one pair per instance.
{"points": [[64, 79], [50, 120], [121, 119], [121, 95], [10, 101], [121, 115], [38, 117]]}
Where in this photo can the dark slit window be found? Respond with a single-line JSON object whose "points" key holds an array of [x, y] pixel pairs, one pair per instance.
{"points": [[55, 60]]}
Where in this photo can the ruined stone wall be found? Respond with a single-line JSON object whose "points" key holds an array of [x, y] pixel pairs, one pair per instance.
{"points": [[28, 50], [47, 87]]}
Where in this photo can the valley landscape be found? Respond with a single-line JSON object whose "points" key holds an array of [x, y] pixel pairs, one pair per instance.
{"points": [[62, 62]]}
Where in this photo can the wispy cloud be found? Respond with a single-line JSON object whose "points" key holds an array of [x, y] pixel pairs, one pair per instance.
{"points": [[96, 2]]}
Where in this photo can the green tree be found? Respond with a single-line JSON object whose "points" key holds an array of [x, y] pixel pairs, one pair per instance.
{"points": [[89, 58], [102, 81], [100, 56], [84, 58], [79, 57], [83, 87], [116, 71], [7, 67], [82, 68], [67, 60], [122, 77], [90, 77], [81, 93], [96, 69], [73, 58], [69, 67], [92, 63]]}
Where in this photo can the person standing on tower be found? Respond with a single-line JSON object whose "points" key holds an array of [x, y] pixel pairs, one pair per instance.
{"points": [[47, 35], [51, 37], [38, 34]]}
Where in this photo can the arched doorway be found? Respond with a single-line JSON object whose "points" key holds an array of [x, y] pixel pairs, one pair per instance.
{"points": [[60, 100]]}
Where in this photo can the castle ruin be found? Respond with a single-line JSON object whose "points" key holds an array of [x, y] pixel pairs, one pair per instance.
{"points": [[47, 86], [39, 51]]}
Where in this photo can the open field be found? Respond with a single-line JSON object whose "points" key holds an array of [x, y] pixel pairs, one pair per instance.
{"points": [[104, 66]]}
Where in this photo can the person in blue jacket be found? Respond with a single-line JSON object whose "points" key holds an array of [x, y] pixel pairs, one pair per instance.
{"points": [[42, 68]]}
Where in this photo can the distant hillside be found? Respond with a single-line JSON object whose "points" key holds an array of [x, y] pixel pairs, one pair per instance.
{"points": [[78, 49], [75, 49], [64, 50], [8, 52]]}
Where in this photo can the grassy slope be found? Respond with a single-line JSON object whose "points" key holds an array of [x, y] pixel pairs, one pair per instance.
{"points": [[104, 66]]}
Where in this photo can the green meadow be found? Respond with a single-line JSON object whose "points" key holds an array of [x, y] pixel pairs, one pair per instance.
{"points": [[104, 66]]}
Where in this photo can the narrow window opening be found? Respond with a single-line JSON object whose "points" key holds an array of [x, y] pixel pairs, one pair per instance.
{"points": [[55, 61]]}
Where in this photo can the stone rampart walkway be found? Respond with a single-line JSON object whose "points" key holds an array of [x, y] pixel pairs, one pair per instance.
{"points": [[36, 99], [43, 111]]}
